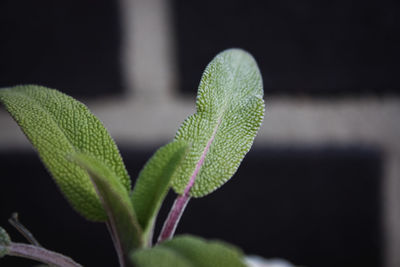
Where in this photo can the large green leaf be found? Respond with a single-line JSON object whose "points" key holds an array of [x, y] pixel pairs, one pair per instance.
{"points": [[190, 251], [230, 110], [57, 126], [153, 183], [125, 228]]}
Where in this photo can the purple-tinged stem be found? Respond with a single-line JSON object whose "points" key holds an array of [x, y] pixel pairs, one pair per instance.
{"points": [[173, 218], [181, 201], [40, 254], [14, 221]]}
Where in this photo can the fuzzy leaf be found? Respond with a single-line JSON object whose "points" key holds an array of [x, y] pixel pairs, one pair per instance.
{"points": [[203, 253], [230, 110], [116, 202], [57, 125], [4, 242], [196, 252], [159, 257], [153, 183]]}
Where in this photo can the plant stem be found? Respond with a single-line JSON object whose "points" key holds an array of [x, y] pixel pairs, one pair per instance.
{"points": [[174, 216], [180, 203], [117, 243], [14, 221], [40, 254]]}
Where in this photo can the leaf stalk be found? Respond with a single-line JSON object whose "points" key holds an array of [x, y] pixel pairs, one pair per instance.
{"points": [[174, 217], [14, 221]]}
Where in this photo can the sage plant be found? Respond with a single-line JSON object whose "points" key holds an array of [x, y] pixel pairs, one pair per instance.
{"points": [[85, 163]]}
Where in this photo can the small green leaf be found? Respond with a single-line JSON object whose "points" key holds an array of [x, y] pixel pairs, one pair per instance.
{"points": [[115, 199], [159, 257], [192, 251], [153, 183], [5, 241], [57, 125], [203, 253], [230, 110]]}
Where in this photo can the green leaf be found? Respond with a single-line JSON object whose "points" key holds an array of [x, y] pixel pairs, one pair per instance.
{"points": [[159, 257], [5, 241], [203, 253], [125, 228], [57, 126], [153, 183], [192, 251], [230, 110]]}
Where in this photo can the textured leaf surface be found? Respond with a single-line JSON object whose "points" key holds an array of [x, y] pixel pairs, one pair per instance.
{"points": [[116, 202], [230, 110], [4, 242], [57, 125], [195, 251], [153, 183]]}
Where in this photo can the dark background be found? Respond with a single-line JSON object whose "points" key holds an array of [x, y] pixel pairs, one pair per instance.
{"points": [[303, 47], [318, 48], [69, 45], [315, 206]]}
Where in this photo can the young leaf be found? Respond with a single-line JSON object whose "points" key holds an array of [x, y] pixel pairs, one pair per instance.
{"points": [[197, 252], [4, 242], [125, 228], [57, 125], [153, 183], [203, 253], [230, 109], [159, 257]]}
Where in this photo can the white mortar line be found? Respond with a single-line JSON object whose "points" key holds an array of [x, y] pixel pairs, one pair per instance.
{"points": [[147, 50]]}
